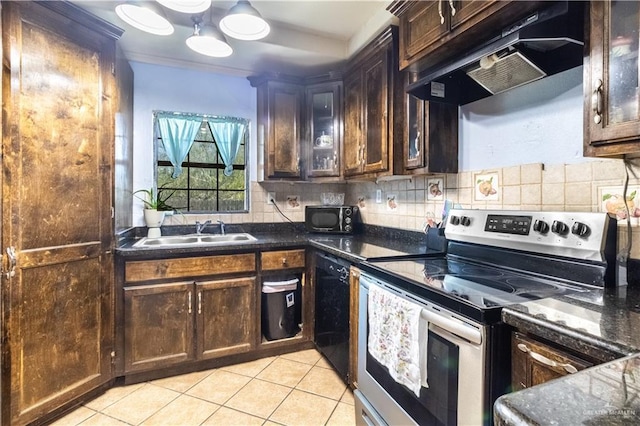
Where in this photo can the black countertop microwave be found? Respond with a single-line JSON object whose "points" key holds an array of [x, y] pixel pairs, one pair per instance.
{"points": [[330, 219]]}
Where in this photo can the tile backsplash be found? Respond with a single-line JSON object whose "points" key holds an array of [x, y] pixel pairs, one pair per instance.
{"points": [[405, 202]]}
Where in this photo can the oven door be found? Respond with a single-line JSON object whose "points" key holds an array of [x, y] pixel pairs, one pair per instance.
{"points": [[455, 369]]}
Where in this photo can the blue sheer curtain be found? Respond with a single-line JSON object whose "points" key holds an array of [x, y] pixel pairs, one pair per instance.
{"points": [[177, 133], [228, 133]]}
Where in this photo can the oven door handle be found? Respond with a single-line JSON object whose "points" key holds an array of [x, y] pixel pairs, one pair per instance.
{"points": [[453, 326]]}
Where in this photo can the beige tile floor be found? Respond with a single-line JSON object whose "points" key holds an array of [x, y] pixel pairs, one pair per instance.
{"points": [[299, 388]]}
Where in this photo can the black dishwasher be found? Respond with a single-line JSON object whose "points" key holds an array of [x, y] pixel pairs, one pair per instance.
{"points": [[332, 311]]}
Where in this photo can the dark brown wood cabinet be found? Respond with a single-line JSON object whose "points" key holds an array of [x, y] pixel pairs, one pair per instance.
{"points": [[187, 309], [354, 303], [280, 126], [534, 362], [611, 86], [434, 31], [431, 136], [373, 94], [158, 325], [225, 316], [59, 98]]}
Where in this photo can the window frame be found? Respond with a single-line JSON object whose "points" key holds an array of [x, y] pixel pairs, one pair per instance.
{"points": [[219, 165]]}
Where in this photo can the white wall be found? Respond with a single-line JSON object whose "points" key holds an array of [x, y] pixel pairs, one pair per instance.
{"points": [[177, 89], [540, 122]]}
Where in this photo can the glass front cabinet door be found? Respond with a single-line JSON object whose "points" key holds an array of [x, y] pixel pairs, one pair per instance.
{"points": [[324, 133], [612, 93]]}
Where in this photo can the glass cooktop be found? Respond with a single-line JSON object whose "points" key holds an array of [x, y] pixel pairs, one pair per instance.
{"points": [[482, 286]]}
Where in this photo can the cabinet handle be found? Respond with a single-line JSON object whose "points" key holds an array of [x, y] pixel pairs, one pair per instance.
{"points": [[546, 361], [440, 12], [298, 164], [284, 261], [596, 102], [453, 9], [199, 302], [12, 257], [189, 303]]}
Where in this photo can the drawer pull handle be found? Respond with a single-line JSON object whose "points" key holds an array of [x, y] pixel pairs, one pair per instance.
{"points": [[199, 302], [189, 303], [546, 361], [284, 260]]}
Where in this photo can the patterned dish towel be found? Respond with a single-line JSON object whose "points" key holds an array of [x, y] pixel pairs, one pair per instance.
{"points": [[394, 338]]}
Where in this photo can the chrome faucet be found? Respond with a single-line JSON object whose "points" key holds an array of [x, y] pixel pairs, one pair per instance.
{"points": [[222, 231], [200, 226]]}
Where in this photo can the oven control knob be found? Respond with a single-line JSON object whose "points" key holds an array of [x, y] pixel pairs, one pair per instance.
{"points": [[541, 226], [559, 228], [465, 221], [580, 229], [347, 220], [347, 212], [348, 228], [455, 220]]}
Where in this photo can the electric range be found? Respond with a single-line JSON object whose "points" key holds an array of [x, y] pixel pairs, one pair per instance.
{"points": [[494, 259], [498, 258]]}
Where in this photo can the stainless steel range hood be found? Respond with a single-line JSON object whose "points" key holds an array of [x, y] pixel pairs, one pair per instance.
{"points": [[544, 43]]}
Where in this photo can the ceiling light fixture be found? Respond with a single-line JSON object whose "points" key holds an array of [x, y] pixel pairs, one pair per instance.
{"points": [[186, 6], [244, 22], [208, 39], [146, 17]]}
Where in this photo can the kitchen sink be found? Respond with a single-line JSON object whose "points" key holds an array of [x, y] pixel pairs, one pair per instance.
{"points": [[194, 240]]}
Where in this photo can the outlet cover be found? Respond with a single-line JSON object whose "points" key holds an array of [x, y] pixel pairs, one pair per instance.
{"points": [[378, 196], [271, 196]]}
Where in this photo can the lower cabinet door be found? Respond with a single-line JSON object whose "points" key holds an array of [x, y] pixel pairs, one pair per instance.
{"points": [[225, 316], [158, 325], [534, 362]]}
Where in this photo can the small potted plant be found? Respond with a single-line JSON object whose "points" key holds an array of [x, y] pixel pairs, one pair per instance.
{"points": [[155, 208]]}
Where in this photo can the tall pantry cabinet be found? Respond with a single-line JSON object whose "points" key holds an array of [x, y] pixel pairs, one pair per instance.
{"points": [[59, 99]]}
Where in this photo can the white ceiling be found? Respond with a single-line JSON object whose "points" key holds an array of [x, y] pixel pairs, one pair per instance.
{"points": [[307, 36]]}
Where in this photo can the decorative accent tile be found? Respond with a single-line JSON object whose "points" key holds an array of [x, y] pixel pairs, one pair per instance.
{"points": [[612, 201], [293, 202], [435, 189], [392, 202], [486, 186]]}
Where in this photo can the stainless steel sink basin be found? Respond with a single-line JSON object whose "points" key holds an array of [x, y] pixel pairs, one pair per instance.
{"points": [[194, 240]]}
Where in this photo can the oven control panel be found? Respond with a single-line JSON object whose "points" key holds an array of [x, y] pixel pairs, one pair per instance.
{"points": [[581, 235], [508, 224]]}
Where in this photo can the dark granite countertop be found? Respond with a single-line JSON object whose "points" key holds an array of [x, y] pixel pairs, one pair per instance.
{"points": [[370, 242], [607, 394], [602, 324]]}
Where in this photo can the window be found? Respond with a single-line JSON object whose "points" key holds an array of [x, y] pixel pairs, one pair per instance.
{"points": [[202, 186]]}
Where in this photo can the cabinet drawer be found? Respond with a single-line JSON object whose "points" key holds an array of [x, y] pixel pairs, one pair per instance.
{"points": [[189, 267], [282, 259]]}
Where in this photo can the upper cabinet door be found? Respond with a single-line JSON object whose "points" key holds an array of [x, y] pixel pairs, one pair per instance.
{"points": [[421, 26], [353, 148], [324, 133], [376, 113], [283, 143], [612, 94], [279, 127]]}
